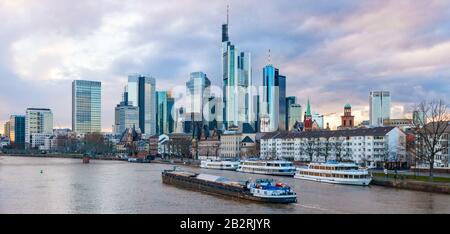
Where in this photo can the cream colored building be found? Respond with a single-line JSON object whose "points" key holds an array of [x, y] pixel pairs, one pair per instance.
{"points": [[230, 144]]}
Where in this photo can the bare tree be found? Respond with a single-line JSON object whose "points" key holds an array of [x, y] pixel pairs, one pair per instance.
{"points": [[317, 148], [338, 149], [94, 143], [431, 122], [273, 153], [326, 148], [348, 153], [302, 151], [310, 148]]}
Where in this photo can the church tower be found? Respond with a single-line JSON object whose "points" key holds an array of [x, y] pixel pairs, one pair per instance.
{"points": [[347, 120], [307, 122]]}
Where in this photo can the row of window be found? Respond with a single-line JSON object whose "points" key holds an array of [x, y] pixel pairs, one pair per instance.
{"points": [[323, 144], [266, 170], [328, 175]]}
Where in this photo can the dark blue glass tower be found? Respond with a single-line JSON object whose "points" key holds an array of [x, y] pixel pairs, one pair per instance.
{"points": [[274, 97]]}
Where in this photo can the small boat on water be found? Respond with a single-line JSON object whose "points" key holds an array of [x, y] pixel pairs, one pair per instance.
{"points": [[138, 160], [86, 159], [335, 173], [261, 190], [278, 167], [219, 164]]}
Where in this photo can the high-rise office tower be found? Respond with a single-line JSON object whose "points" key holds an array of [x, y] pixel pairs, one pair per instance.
{"points": [[238, 93], [419, 118], [257, 106], [289, 101], [198, 88], [16, 131], [6, 129], [126, 115], [142, 93], [380, 107], [86, 106], [274, 98], [295, 116], [215, 114], [164, 116], [179, 119], [37, 121]]}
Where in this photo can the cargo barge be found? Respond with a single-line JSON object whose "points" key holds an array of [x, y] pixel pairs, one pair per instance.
{"points": [[262, 190]]}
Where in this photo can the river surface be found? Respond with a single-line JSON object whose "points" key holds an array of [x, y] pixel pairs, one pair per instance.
{"points": [[68, 186]]}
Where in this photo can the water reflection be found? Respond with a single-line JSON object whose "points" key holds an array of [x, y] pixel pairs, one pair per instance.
{"points": [[68, 186]]}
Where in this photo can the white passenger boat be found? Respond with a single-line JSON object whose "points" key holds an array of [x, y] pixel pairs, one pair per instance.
{"points": [[279, 168], [219, 164], [335, 173]]}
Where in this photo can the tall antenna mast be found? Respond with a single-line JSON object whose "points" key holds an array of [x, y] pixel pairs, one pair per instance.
{"points": [[228, 14], [269, 59]]}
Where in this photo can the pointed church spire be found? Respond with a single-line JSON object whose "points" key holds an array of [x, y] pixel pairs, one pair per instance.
{"points": [[308, 109]]}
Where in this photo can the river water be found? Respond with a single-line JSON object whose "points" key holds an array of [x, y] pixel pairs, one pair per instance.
{"points": [[68, 186]]}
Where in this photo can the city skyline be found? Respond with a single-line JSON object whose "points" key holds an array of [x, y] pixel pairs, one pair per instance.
{"points": [[320, 48]]}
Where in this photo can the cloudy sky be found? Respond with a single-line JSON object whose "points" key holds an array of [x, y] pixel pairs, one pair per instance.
{"points": [[331, 51]]}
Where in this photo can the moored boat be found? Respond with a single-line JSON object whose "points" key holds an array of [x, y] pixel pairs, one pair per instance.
{"points": [[279, 167], [260, 190], [335, 173], [86, 159], [219, 164], [138, 160]]}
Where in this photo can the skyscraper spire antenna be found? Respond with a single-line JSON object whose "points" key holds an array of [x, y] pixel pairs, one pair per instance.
{"points": [[225, 26], [269, 59], [228, 14]]}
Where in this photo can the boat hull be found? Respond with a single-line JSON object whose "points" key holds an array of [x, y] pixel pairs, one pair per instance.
{"points": [[219, 166], [360, 182], [288, 174], [222, 189]]}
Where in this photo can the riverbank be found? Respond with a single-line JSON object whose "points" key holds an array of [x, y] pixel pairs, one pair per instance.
{"points": [[419, 183], [72, 156], [177, 162], [194, 164]]}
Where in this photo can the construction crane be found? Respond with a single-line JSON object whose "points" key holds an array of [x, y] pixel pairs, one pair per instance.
{"points": [[330, 114]]}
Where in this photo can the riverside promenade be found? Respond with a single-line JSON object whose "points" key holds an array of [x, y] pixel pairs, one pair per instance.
{"points": [[440, 184]]}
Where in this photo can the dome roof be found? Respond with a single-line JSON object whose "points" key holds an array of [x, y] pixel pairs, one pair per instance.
{"points": [[347, 106]]}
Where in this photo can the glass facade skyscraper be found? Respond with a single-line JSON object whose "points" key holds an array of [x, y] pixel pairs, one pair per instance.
{"points": [[197, 115], [238, 97], [295, 116], [86, 106], [17, 131], [164, 117], [198, 88], [126, 115], [142, 93], [274, 98], [289, 101], [380, 107]]}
